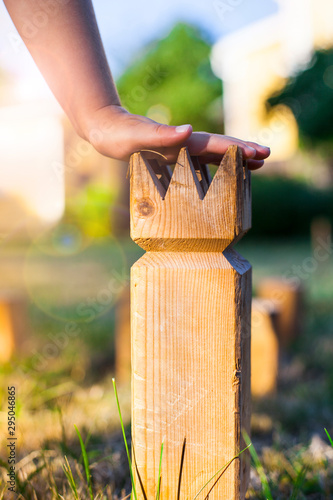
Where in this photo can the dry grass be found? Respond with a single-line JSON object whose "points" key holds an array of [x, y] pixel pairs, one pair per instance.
{"points": [[75, 388], [45, 432]]}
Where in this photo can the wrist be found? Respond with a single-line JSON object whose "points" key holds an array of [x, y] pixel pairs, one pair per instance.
{"points": [[96, 122], [101, 128]]}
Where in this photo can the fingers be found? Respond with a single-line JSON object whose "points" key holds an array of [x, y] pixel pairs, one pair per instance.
{"points": [[255, 164], [252, 164], [170, 156], [170, 136], [262, 152], [124, 133], [203, 144], [155, 135]]}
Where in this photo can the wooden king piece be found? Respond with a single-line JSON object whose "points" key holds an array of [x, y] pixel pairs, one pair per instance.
{"points": [[190, 327]]}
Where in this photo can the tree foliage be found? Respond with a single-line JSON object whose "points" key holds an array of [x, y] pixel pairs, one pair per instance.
{"points": [[175, 72], [309, 94]]}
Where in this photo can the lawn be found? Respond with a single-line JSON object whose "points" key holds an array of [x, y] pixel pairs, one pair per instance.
{"points": [[76, 286]]}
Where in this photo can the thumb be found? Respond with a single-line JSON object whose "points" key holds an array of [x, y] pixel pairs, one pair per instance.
{"points": [[159, 136]]}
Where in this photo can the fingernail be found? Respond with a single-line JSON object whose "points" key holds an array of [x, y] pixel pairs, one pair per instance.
{"points": [[182, 128]]}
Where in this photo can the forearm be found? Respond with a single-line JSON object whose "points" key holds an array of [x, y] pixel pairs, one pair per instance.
{"points": [[64, 41]]}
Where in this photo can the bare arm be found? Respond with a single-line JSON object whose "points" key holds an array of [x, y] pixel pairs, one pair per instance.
{"points": [[63, 39], [68, 51]]}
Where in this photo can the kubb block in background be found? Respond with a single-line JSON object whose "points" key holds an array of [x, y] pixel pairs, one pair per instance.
{"points": [[287, 297], [264, 348], [190, 326], [14, 328]]}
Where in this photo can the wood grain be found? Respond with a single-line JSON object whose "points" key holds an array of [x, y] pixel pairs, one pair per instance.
{"points": [[190, 324], [185, 217]]}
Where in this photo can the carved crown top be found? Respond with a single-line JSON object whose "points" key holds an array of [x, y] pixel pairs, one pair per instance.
{"points": [[187, 210]]}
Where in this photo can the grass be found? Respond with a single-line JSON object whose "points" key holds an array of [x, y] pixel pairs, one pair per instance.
{"points": [[329, 437], [259, 468], [75, 388], [125, 441], [133, 484], [86, 464], [220, 472]]}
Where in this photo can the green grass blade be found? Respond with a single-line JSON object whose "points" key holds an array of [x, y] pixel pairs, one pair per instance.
{"points": [[299, 482], [69, 475], [86, 463], [159, 473], [329, 437], [259, 467], [125, 441], [220, 470]]}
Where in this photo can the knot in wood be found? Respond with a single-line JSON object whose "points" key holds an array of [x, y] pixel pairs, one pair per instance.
{"points": [[145, 207]]}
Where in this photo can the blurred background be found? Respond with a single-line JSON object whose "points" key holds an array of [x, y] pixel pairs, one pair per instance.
{"points": [[260, 71]]}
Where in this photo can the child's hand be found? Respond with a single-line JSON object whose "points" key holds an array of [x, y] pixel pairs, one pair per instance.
{"points": [[115, 132]]}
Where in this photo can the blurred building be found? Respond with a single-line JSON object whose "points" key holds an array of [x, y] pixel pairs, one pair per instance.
{"points": [[43, 165], [255, 61], [31, 194]]}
